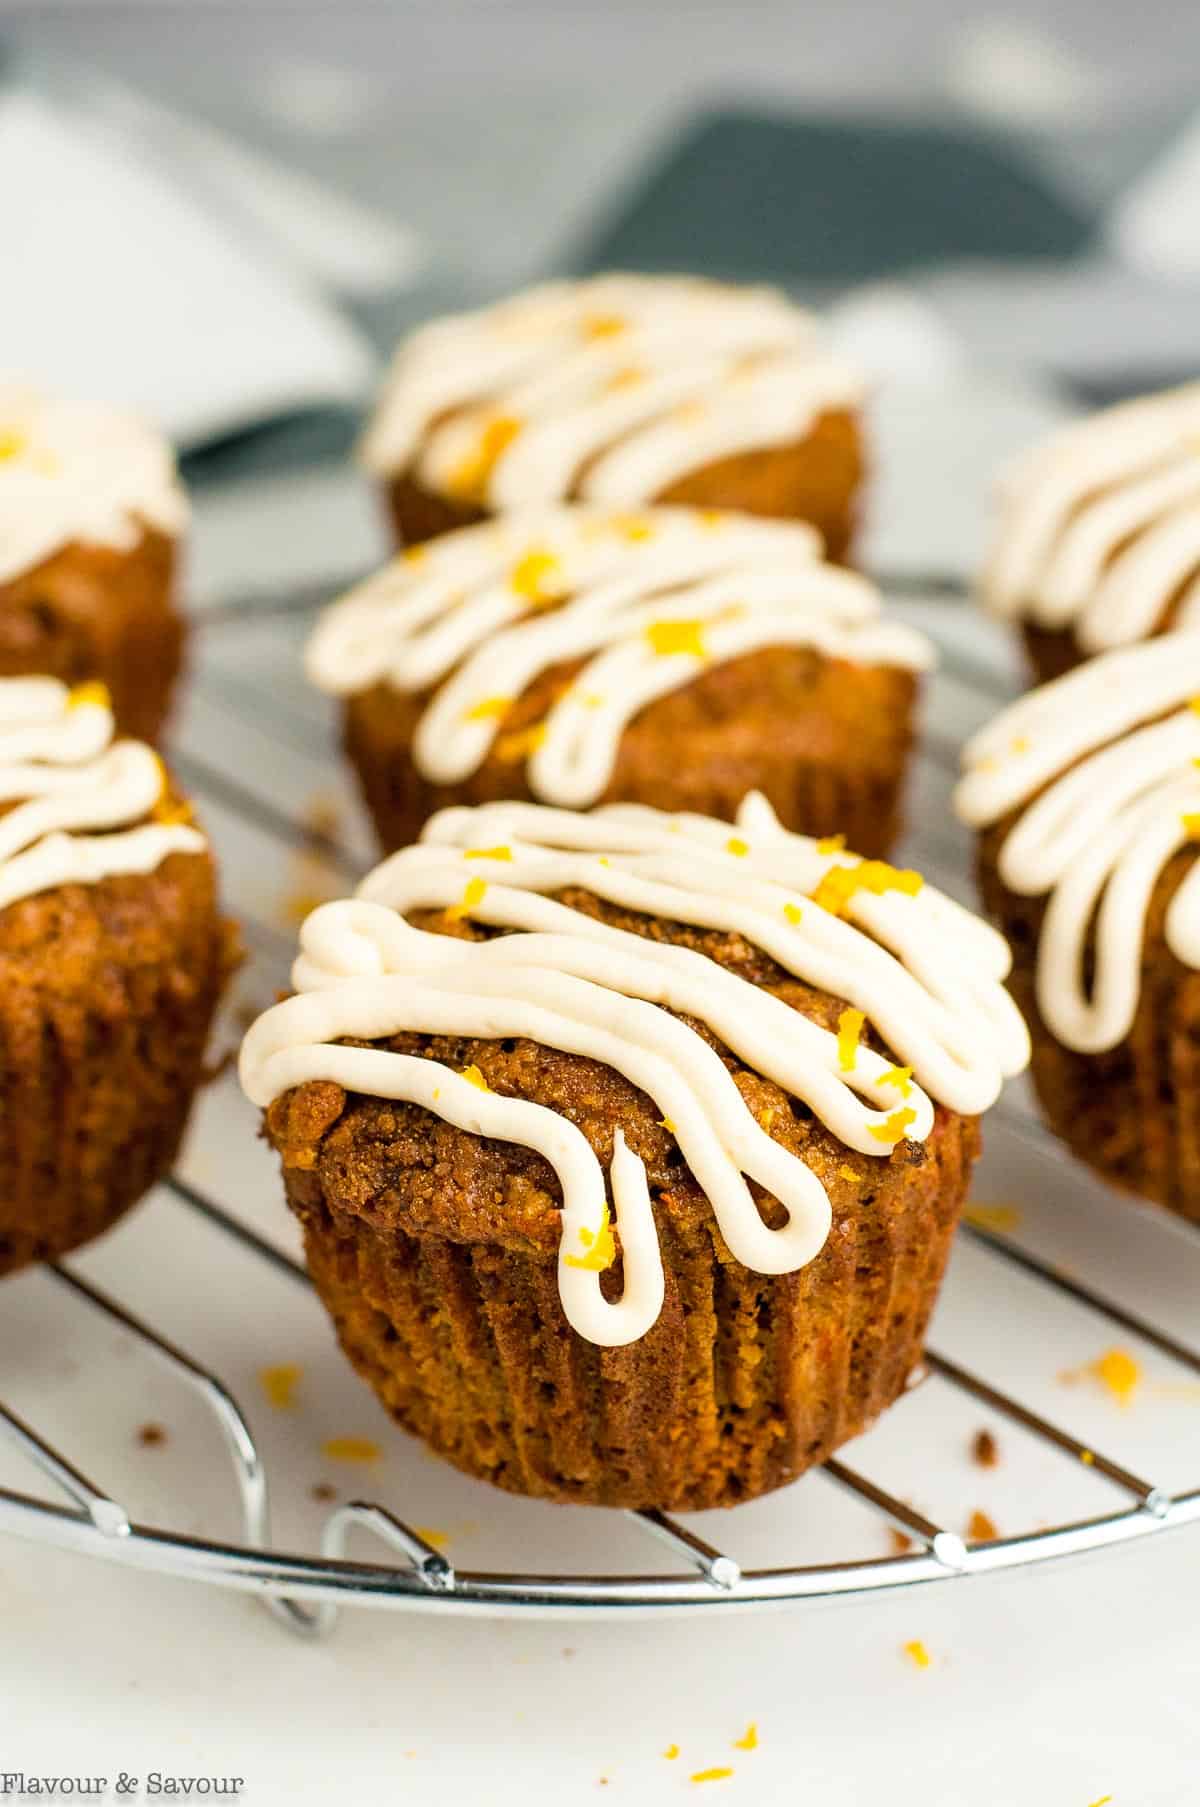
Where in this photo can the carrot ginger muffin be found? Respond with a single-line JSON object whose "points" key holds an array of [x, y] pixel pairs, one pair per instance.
{"points": [[112, 956], [628, 1147], [91, 513], [1098, 540], [621, 390], [672, 657], [1087, 793]]}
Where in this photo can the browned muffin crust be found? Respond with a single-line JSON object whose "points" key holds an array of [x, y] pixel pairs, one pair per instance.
{"points": [[826, 741], [99, 612], [107, 992], [1133, 1112], [436, 1254], [815, 479]]}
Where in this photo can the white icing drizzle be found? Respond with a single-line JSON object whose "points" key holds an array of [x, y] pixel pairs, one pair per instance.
{"points": [[1099, 529], [72, 470], [924, 972], [1107, 763], [65, 775], [653, 599], [640, 378]]}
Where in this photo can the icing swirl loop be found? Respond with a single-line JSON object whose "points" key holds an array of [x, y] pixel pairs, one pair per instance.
{"points": [[922, 971], [646, 602]]}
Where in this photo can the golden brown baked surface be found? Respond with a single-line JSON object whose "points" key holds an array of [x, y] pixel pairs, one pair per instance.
{"points": [[436, 1251], [106, 996], [817, 479], [98, 612]]}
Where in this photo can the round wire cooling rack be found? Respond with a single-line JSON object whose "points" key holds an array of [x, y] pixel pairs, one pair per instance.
{"points": [[305, 1591], [255, 749]]}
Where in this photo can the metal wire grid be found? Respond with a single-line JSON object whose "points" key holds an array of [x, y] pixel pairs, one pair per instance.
{"points": [[305, 1591]]}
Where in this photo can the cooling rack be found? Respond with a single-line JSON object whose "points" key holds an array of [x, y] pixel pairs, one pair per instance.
{"points": [[186, 1306]]}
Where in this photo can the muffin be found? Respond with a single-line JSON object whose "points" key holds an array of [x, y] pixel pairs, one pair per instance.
{"points": [[675, 657], [621, 390], [1087, 794], [91, 514], [1098, 540], [628, 1147], [112, 957]]}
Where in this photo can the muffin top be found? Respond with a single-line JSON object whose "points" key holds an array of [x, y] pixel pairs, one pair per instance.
{"points": [[1094, 783], [1099, 529], [612, 388], [503, 922], [77, 471], [77, 807], [634, 606]]}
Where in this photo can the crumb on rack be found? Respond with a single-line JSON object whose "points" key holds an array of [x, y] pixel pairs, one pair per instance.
{"points": [[152, 1436], [323, 1492], [900, 1541], [1001, 1220], [985, 1451], [981, 1528]]}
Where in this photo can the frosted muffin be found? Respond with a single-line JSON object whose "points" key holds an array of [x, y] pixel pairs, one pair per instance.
{"points": [[112, 957], [1087, 794], [628, 1147], [91, 516], [1098, 539], [621, 390], [673, 657]]}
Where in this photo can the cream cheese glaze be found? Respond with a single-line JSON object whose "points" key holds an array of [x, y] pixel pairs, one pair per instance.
{"points": [[652, 600], [635, 381], [83, 805], [72, 470], [1104, 767], [1099, 529], [922, 971]]}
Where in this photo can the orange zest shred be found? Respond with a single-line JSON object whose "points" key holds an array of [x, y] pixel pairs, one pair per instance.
{"points": [[1102, 1802], [469, 478], [1087, 1457], [437, 1540], [279, 1383], [488, 853], [531, 574], [490, 708], [792, 912], [901, 1078], [511, 748], [12, 442], [93, 692], [474, 1077], [1002, 1220], [831, 843], [749, 1738], [849, 1029], [841, 883], [473, 895], [351, 1449], [1119, 1372], [604, 326], [668, 1123], [415, 555], [916, 1653], [632, 527], [671, 1752], [1191, 822], [600, 1250], [718, 1774], [172, 815], [738, 847], [668, 638], [629, 378], [1194, 704], [894, 1127], [848, 1173]]}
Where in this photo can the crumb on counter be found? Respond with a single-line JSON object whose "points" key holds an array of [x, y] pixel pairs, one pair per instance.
{"points": [[985, 1451], [351, 1449], [279, 1384]]}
